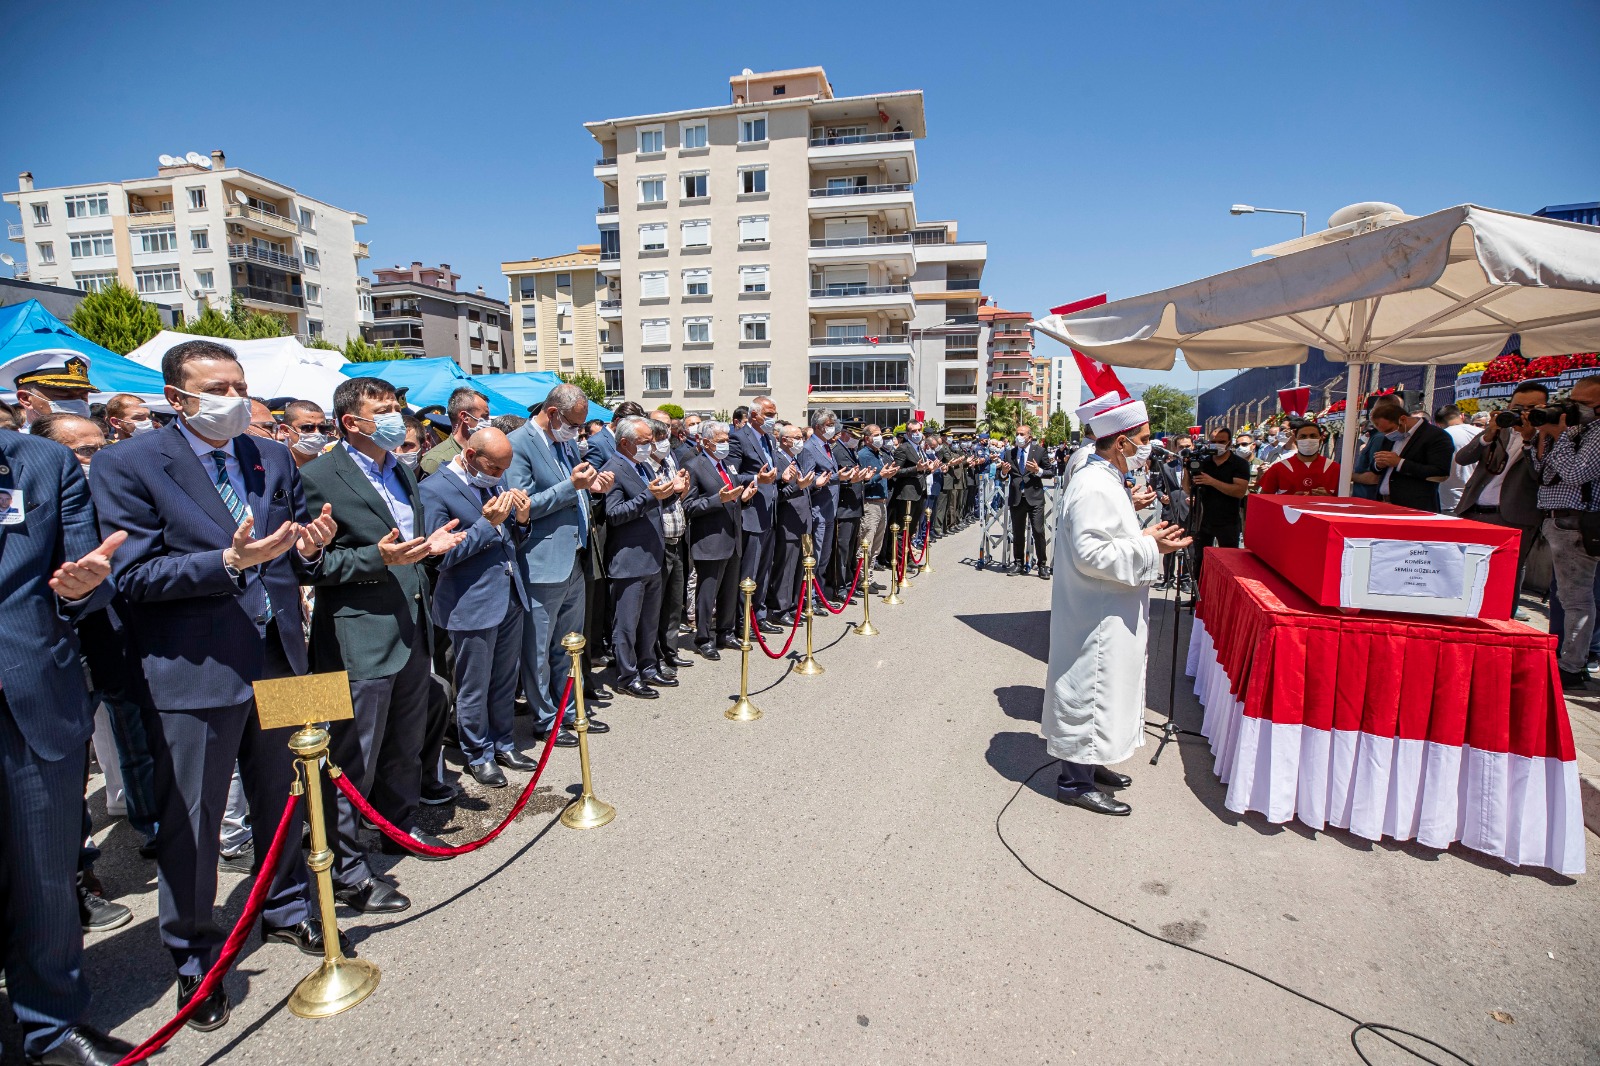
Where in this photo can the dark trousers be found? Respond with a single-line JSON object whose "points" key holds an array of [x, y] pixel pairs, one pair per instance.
{"points": [[441, 702], [379, 750], [41, 940], [846, 550], [1076, 777], [716, 605], [194, 753], [674, 586], [637, 603], [486, 685], [1223, 536], [756, 552], [1026, 517], [786, 573], [554, 611]]}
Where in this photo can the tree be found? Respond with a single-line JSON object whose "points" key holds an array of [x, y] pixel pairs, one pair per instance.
{"points": [[253, 325], [1058, 430], [671, 410], [593, 387], [116, 319], [932, 426], [359, 351], [1001, 416], [213, 323], [319, 341], [1171, 410]]}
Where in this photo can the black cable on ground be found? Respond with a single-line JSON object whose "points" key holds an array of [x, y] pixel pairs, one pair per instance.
{"points": [[1381, 1029]]}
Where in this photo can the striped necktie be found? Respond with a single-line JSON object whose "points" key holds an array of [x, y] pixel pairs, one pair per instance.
{"points": [[235, 506]]}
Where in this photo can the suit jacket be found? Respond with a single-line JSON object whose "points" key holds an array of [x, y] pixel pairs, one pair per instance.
{"points": [[816, 457], [683, 452], [908, 486], [849, 495], [600, 448], [367, 613], [714, 525], [1427, 453], [556, 517], [480, 578], [43, 683], [747, 454], [792, 518], [1021, 486], [1519, 490], [636, 543]]}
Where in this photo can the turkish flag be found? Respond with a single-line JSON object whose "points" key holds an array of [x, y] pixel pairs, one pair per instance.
{"points": [[1098, 376], [1294, 401]]}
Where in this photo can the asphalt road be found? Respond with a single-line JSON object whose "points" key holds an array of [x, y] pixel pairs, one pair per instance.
{"points": [[826, 885]]}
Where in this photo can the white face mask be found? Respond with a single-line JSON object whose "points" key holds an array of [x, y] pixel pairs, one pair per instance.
{"points": [[219, 417], [877, 442], [1142, 453], [1022, 442], [1308, 448], [829, 432], [311, 443], [81, 408], [142, 425], [661, 448], [720, 449], [409, 458]]}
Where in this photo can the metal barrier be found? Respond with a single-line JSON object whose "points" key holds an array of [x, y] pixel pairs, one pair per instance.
{"points": [[994, 519]]}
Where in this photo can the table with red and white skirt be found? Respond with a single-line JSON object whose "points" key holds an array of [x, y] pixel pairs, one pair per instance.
{"points": [[1387, 725]]}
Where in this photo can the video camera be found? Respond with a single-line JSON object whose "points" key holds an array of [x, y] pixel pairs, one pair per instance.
{"points": [[1194, 459]]}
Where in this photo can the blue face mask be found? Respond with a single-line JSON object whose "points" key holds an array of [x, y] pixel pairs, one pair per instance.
{"points": [[1393, 437], [389, 431]]}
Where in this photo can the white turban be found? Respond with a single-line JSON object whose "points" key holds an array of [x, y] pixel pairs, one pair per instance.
{"points": [[1107, 415]]}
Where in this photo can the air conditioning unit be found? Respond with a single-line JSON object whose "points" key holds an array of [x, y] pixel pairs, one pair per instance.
{"points": [[235, 230]]}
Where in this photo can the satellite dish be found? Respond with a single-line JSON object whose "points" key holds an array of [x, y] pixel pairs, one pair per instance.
{"points": [[7, 260], [240, 198], [167, 160], [1355, 212], [747, 72], [198, 160]]}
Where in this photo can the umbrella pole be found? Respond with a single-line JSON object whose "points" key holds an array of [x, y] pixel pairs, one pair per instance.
{"points": [[1347, 445]]}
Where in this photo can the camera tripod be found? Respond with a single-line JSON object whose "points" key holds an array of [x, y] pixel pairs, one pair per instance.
{"points": [[1180, 577]]}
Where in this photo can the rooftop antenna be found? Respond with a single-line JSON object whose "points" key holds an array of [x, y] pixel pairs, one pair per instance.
{"points": [[203, 162], [167, 160], [240, 198]]}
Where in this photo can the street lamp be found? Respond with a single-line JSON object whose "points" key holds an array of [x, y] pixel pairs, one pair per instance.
{"points": [[1246, 209]]}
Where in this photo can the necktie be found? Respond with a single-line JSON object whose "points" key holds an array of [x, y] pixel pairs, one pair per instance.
{"points": [[235, 506], [565, 462], [766, 442], [726, 482]]}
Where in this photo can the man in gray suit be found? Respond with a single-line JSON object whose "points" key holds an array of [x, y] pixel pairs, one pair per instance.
{"points": [[555, 553], [715, 493], [1504, 490], [635, 552], [816, 459]]}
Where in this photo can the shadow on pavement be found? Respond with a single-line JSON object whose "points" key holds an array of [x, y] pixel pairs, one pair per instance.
{"points": [[1018, 756], [1025, 703], [1026, 631]]}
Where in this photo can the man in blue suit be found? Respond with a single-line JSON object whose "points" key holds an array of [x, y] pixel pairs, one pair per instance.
{"points": [[715, 493], [212, 607], [481, 600], [791, 522], [555, 554], [636, 546], [753, 455], [816, 459], [51, 574]]}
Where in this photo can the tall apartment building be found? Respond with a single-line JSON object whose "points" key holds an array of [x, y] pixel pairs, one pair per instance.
{"points": [[1066, 387], [771, 245], [946, 360], [197, 233], [567, 315], [419, 310], [1011, 363]]}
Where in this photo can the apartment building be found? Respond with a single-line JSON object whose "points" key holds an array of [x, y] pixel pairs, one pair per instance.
{"points": [[1011, 363], [196, 233], [567, 315], [1066, 387], [770, 245], [419, 310], [946, 333]]}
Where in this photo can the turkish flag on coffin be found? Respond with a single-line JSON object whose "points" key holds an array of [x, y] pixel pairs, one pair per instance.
{"points": [[1294, 401]]}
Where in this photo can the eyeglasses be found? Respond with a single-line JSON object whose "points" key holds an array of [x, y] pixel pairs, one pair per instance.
{"points": [[86, 451], [315, 427]]}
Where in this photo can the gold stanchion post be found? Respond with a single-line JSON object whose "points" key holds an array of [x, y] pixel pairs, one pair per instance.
{"points": [[585, 812], [893, 599], [743, 710], [866, 628], [906, 569], [809, 667], [927, 541]]}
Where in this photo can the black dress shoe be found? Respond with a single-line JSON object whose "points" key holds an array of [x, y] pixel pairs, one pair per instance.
{"points": [[665, 671], [212, 1013], [1574, 680], [597, 726], [709, 651], [1110, 778], [487, 774], [515, 760], [389, 847], [373, 897], [661, 680], [437, 795], [729, 643], [307, 936], [639, 690], [1093, 800], [597, 693], [1044, 571], [769, 627], [83, 1046], [566, 739], [242, 861], [99, 914], [676, 661]]}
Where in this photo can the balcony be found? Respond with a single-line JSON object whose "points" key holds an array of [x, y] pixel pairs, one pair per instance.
{"points": [[1011, 375], [151, 218], [607, 209], [412, 313], [611, 263], [893, 299], [884, 344], [606, 167], [963, 285], [897, 150], [362, 251], [1012, 335], [265, 256], [935, 246], [254, 216], [895, 201], [960, 341], [894, 250], [611, 349], [610, 308], [14, 231], [275, 297]]}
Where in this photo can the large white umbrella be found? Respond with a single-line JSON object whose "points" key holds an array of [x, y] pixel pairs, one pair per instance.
{"points": [[274, 366], [1449, 287]]}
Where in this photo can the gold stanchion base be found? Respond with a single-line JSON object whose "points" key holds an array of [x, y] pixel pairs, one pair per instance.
{"points": [[893, 599], [809, 667], [333, 987], [925, 568], [866, 629], [742, 711], [586, 812]]}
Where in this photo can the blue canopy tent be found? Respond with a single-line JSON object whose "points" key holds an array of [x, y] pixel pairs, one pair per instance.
{"points": [[429, 382], [27, 328], [530, 389]]}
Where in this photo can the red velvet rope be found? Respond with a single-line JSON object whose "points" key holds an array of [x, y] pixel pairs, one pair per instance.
{"points": [[856, 581], [407, 841], [231, 947], [916, 556], [793, 629]]}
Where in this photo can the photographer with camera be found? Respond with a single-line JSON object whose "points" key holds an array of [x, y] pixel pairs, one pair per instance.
{"points": [[1503, 489], [1217, 485], [1566, 459]]}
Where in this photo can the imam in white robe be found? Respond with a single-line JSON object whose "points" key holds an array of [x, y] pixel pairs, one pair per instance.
{"points": [[1099, 621]]}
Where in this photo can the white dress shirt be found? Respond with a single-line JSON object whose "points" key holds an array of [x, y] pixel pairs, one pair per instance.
{"points": [[385, 477], [203, 450]]}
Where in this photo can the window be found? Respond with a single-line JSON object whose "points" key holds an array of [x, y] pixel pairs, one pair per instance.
{"points": [[200, 240], [652, 190], [752, 129], [697, 331], [161, 239], [652, 139], [753, 229], [697, 378], [530, 315], [697, 233], [47, 253], [692, 135], [779, 90], [564, 336], [656, 331], [753, 279], [92, 205], [653, 285], [613, 377], [563, 281], [95, 282], [530, 342], [563, 307], [847, 331], [653, 237], [85, 245], [311, 257], [41, 214], [161, 279], [313, 327], [753, 327], [753, 179], [205, 280], [313, 293], [657, 379], [697, 283], [197, 199], [755, 375], [694, 185], [308, 220]]}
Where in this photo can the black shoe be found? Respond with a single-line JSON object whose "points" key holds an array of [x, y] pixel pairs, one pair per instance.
{"points": [[437, 795], [597, 693], [147, 850], [391, 848], [1574, 680], [515, 760], [1044, 571], [660, 680], [665, 671], [1162, 586], [1110, 778], [597, 726], [709, 651], [99, 914], [83, 1046], [373, 897], [487, 774], [769, 627], [676, 661], [1013, 570], [307, 936], [566, 739], [1093, 800], [729, 644], [639, 690], [212, 1013], [242, 861]]}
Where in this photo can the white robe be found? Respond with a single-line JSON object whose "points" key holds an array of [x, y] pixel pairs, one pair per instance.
{"points": [[1099, 622]]}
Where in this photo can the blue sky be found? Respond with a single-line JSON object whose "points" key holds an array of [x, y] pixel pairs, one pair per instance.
{"points": [[1094, 148]]}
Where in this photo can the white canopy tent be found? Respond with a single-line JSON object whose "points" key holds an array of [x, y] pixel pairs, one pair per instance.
{"points": [[1449, 287], [274, 366]]}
